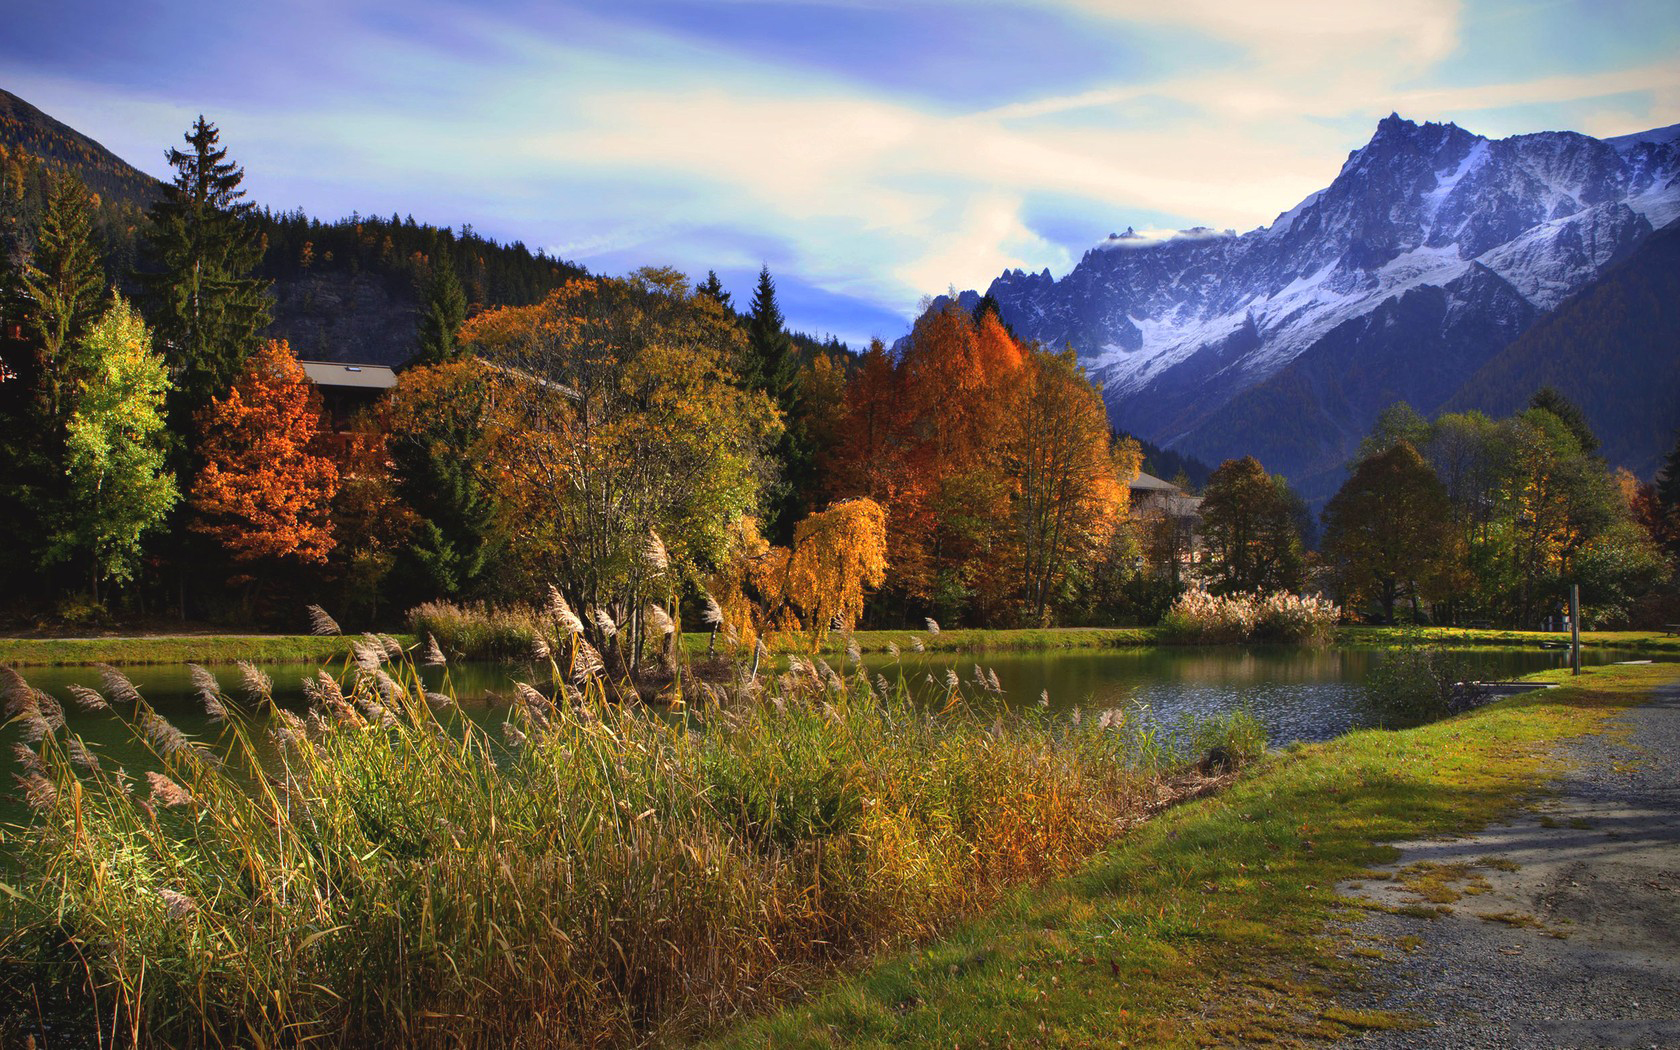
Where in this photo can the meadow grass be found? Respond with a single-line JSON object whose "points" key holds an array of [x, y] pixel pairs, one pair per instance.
{"points": [[229, 649], [141, 650], [1214, 924], [382, 872]]}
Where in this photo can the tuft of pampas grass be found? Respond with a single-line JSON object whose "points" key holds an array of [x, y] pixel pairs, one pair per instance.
{"points": [[320, 623]]}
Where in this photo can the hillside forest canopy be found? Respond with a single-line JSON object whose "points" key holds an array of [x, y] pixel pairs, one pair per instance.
{"points": [[637, 449]]}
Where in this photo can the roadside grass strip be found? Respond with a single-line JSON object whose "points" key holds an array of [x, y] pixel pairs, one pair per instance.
{"points": [[1217, 923]]}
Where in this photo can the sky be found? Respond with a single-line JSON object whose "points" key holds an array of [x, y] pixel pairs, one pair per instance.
{"points": [[869, 152]]}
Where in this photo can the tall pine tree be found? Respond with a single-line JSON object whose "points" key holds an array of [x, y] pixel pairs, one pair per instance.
{"points": [[55, 294], [771, 359], [206, 305], [441, 317], [61, 283]]}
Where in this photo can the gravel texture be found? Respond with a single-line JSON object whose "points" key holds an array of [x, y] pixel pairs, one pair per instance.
{"points": [[1579, 945]]}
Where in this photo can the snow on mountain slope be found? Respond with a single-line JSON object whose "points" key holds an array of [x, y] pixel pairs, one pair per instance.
{"points": [[1177, 327]]}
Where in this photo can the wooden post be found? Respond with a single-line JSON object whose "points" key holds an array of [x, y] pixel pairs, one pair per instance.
{"points": [[1575, 628]]}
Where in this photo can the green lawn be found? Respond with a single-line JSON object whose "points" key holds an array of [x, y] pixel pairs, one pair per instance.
{"points": [[1215, 923], [172, 649], [278, 648]]}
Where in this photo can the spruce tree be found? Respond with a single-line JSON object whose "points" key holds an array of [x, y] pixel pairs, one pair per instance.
{"points": [[442, 314], [771, 360], [1668, 479], [713, 287], [61, 285], [205, 304], [1551, 400], [55, 294]]}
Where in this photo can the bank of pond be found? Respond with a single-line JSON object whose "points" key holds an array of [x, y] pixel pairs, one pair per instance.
{"points": [[403, 855]]}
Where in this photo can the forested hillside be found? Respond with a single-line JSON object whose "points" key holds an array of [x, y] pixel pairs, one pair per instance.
{"points": [[1614, 347]]}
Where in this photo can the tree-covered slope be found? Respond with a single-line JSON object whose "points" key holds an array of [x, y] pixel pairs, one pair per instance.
{"points": [[1613, 348]]}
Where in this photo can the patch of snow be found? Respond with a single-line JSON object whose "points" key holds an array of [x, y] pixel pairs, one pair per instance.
{"points": [[1656, 136], [1445, 184]]}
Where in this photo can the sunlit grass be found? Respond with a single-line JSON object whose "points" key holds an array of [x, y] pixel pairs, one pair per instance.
{"points": [[383, 872], [1213, 924]]}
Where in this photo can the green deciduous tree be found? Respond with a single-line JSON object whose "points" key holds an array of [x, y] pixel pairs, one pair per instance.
{"points": [[615, 415], [1248, 521], [114, 449], [205, 304], [1388, 531]]}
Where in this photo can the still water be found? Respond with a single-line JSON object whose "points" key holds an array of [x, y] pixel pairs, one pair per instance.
{"points": [[1298, 694]]}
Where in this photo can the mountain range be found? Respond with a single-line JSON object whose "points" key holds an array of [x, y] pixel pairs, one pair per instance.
{"points": [[1413, 276]]}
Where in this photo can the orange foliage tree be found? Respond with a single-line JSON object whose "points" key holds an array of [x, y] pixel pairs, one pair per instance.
{"points": [[264, 495], [992, 460]]}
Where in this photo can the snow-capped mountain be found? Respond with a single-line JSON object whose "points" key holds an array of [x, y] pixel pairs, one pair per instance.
{"points": [[1431, 250]]}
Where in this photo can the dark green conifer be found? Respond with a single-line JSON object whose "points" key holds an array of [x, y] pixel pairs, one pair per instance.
{"points": [[713, 287], [206, 306], [61, 284], [1551, 400], [442, 314], [771, 360]]}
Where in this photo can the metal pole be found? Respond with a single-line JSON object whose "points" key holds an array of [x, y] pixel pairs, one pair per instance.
{"points": [[1575, 628]]}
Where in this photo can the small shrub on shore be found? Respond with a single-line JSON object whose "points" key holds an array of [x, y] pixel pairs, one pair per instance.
{"points": [[1419, 680], [476, 631], [382, 871], [1201, 618]]}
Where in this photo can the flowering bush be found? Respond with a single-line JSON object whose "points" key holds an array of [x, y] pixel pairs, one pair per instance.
{"points": [[1202, 618]]}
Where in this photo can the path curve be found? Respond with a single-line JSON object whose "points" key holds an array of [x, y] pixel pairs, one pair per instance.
{"points": [[1570, 937]]}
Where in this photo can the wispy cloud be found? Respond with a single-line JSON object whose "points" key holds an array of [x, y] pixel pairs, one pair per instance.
{"points": [[870, 153]]}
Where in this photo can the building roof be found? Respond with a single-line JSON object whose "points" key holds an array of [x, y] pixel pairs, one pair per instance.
{"points": [[1150, 483], [336, 373]]}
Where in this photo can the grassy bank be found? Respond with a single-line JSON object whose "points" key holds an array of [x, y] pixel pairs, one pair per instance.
{"points": [[172, 649], [228, 649], [1216, 922], [1653, 642], [392, 875]]}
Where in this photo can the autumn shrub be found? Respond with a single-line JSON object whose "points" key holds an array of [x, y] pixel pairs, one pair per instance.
{"points": [[385, 871], [477, 631], [1200, 617], [1417, 680]]}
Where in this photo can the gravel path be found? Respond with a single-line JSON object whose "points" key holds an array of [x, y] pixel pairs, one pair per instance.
{"points": [[1571, 936]]}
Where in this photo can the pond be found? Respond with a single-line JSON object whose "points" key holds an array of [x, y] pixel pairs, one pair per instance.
{"points": [[1298, 694]]}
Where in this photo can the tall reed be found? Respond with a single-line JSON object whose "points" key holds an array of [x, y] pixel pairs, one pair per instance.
{"points": [[380, 871]]}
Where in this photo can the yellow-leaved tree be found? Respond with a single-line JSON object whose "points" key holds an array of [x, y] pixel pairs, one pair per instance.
{"points": [[837, 555]]}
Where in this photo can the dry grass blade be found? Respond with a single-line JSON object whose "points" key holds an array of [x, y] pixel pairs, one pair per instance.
{"points": [[177, 904], [259, 687], [88, 698], [14, 691], [654, 553], [368, 652], [167, 793], [320, 623], [561, 611], [117, 685], [603, 622], [587, 662], [164, 737], [659, 621]]}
